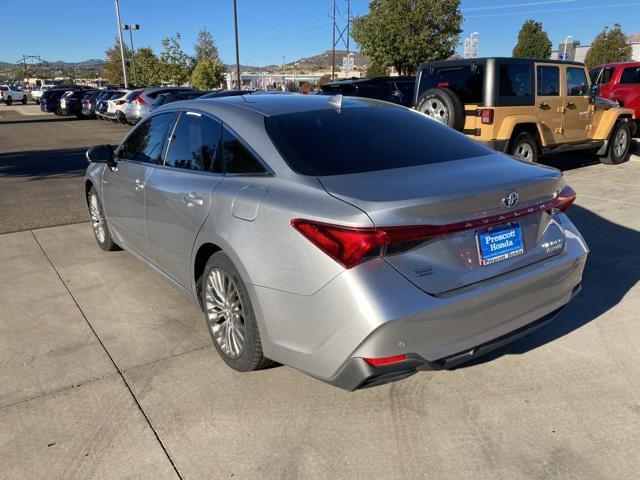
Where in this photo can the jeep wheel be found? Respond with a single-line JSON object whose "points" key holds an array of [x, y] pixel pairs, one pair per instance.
{"points": [[443, 105], [619, 149], [524, 147]]}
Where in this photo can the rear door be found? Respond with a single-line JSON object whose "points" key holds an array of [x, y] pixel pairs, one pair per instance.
{"points": [[178, 194], [124, 186], [577, 115]]}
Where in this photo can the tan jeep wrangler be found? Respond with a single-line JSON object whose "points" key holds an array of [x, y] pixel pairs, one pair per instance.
{"points": [[525, 107]]}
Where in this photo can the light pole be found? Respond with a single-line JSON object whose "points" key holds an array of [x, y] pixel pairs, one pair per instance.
{"points": [[566, 40], [124, 67], [235, 25], [131, 27]]}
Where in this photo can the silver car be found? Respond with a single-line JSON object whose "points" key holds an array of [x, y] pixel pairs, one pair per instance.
{"points": [[353, 239]]}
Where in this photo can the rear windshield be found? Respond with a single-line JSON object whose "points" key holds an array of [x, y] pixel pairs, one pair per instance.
{"points": [[465, 80], [359, 139]]}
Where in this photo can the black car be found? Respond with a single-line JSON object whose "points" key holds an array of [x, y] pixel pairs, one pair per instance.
{"points": [[390, 89], [50, 100], [165, 98]]}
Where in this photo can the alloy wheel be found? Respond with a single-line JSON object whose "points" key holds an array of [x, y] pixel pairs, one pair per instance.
{"points": [[97, 221], [436, 109], [620, 143], [524, 151], [225, 315]]}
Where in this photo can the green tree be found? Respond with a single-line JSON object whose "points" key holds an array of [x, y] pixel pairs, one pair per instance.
{"points": [[207, 74], [533, 42], [205, 46], [175, 64], [406, 33], [608, 46], [112, 68], [147, 67], [376, 70]]}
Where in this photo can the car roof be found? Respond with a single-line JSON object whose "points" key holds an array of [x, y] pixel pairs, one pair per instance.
{"points": [[351, 81], [483, 60], [618, 64], [272, 105]]}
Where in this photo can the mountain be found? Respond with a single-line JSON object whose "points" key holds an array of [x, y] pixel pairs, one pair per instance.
{"points": [[322, 61]]}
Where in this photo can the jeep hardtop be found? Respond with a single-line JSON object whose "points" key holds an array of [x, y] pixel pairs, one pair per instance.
{"points": [[525, 107]]}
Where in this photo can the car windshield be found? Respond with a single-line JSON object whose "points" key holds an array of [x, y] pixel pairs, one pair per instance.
{"points": [[356, 138]]}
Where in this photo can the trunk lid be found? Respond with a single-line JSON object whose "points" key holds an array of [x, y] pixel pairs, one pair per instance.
{"points": [[471, 191]]}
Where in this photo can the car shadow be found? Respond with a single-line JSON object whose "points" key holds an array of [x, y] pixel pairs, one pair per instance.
{"points": [[606, 280], [4, 121], [41, 164], [578, 159]]}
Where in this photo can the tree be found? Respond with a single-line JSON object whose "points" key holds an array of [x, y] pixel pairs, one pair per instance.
{"points": [[205, 46], [608, 46], [376, 70], [406, 33], [207, 74], [533, 42], [324, 79], [112, 67], [147, 67], [175, 64]]}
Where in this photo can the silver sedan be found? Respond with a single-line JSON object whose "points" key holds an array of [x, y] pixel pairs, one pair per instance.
{"points": [[353, 239]]}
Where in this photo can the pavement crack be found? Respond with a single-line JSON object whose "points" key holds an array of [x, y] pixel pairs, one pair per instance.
{"points": [[119, 371]]}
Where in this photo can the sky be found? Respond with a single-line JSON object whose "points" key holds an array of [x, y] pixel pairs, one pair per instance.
{"points": [[268, 30]]}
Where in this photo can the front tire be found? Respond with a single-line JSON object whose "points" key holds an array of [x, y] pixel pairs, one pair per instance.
{"points": [[99, 222], [524, 147], [9, 101], [229, 315], [24, 100], [620, 147]]}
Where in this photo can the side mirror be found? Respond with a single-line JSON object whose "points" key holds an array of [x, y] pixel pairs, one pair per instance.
{"points": [[100, 154]]}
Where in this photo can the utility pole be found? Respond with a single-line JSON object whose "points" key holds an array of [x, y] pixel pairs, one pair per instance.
{"points": [[341, 31], [124, 66], [333, 43], [235, 25]]}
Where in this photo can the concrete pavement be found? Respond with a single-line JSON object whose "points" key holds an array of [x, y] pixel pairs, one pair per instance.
{"points": [[107, 372]]}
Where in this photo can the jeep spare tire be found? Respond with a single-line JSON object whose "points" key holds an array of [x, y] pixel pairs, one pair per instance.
{"points": [[443, 105]]}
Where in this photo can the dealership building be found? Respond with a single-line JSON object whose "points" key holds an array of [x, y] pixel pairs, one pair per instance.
{"points": [[577, 53]]}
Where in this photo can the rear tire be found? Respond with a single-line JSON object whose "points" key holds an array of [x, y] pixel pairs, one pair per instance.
{"points": [[230, 317], [24, 100], [620, 145], [524, 147], [443, 105], [9, 101], [99, 222]]}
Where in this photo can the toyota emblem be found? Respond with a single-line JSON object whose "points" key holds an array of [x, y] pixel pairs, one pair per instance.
{"points": [[510, 199]]}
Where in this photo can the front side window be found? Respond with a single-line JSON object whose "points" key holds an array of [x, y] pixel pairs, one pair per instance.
{"points": [[194, 143], [515, 80], [237, 157], [577, 85], [146, 142], [630, 75], [548, 81]]}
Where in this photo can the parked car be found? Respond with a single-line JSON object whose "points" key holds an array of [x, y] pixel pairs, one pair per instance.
{"points": [[350, 238], [71, 102], [50, 100], [166, 98], [36, 93], [139, 105], [390, 89], [619, 82], [524, 107], [116, 107], [228, 93], [10, 94], [101, 102], [88, 103]]}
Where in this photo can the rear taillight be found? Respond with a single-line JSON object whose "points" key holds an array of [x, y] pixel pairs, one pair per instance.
{"points": [[350, 246], [443, 84], [486, 116], [139, 100], [379, 361]]}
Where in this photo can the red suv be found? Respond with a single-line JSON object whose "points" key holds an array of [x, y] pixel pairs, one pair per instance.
{"points": [[619, 81]]}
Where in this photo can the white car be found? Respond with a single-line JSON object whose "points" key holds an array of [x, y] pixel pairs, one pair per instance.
{"points": [[10, 94], [116, 107], [36, 93]]}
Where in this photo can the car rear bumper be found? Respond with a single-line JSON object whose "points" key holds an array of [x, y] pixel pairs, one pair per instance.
{"points": [[372, 311]]}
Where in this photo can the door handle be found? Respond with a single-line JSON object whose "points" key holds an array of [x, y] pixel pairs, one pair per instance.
{"points": [[544, 106], [571, 105], [193, 200]]}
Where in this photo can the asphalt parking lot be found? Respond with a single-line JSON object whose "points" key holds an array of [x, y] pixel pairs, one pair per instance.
{"points": [[107, 372]]}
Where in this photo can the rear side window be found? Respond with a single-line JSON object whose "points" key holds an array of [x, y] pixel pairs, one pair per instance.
{"points": [[514, 80], [401, 92], [466, 81], [359, 139], [194, 143], [577, 85], [237, 157], [548, 81], [146, 142], [630, 75]]}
